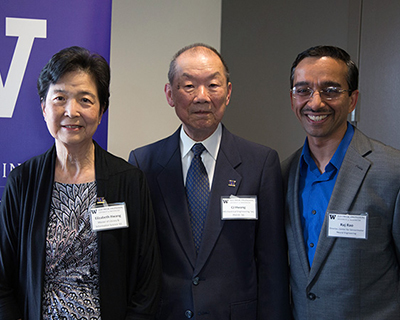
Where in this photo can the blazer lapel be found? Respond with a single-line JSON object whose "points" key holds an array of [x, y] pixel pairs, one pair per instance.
{"points": [[170, 180], [228, 159], [351, 175], [293, 220]]}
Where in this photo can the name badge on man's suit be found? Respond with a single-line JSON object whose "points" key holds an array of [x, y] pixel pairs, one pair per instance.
{"points": [[353, 225], [239, 208]]}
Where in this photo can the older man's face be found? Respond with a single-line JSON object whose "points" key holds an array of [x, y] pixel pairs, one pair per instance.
{"points": [[199, 92]]}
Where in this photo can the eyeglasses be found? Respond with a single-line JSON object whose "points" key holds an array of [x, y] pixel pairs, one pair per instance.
{"points": [[306, 93]]}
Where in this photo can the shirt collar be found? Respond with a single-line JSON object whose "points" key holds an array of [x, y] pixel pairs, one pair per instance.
{"points": [[211, 144], [307, 161], [338, 157]]}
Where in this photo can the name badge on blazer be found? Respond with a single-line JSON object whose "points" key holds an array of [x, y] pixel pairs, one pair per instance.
{"points": [[239, 208], [108, 216], [353, 225]]}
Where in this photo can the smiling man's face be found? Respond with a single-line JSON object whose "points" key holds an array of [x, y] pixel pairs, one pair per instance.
{"points": [[322, 118]]}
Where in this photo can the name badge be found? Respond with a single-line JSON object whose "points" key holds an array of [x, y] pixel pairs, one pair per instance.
{"points": [[108, 216], [352, 225], [239, 208]]}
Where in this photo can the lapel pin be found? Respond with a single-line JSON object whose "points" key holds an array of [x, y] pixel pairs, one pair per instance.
{"points": [[232, 183]]}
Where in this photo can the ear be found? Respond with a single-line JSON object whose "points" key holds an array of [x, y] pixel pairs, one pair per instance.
{"points": [[43, 106], [168, 94], [291, 100], [353, 100], [101, 115], [228, 96]]}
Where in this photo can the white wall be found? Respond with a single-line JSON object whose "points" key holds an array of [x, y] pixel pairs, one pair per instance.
{"points": [[145, 35]]}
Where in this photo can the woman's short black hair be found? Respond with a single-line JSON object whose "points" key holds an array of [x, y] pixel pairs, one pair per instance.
{"points": [[76, 59]]}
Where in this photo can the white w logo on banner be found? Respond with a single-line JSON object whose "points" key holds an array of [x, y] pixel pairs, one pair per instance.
{"points": [[26, 30]]}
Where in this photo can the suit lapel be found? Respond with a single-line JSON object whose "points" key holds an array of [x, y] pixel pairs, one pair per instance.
{"points": [[293, 220], [351, 175], [228, 159], [170, 180]]}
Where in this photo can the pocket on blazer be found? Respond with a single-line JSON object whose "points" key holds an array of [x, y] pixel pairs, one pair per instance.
{"points": [[244, 310]]}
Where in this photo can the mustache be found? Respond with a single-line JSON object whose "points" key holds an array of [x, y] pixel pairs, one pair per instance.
{"points": [[320, 110]]}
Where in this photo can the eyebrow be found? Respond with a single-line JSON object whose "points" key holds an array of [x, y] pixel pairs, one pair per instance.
{"points": [[214, 75], [59, 91], [323, 84], [80, 92]]}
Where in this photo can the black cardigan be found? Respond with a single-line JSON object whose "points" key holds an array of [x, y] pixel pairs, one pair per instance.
{"points": [[129, 259]]}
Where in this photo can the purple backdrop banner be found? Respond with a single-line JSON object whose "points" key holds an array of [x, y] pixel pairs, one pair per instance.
{"points": [[30, 33]]}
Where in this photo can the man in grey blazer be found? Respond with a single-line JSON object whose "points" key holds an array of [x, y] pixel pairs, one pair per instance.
{"points": [[342, 200], [237, 267]]}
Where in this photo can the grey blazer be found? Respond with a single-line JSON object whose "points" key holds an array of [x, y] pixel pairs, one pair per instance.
{"points": [[350, 278]]}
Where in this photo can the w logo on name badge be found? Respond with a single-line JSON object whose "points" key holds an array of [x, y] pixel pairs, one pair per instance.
{"points": [[332, 216]]}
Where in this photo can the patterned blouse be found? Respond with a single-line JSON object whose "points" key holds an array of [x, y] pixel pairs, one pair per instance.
{"points": [[71, 279]]}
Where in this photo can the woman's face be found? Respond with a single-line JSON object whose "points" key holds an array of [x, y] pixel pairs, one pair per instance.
{"points": [[72, 109]]}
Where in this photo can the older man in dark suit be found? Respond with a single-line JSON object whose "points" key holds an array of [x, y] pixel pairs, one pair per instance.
{"points": [[218, 204]]}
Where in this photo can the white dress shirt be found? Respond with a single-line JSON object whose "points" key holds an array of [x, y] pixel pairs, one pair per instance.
{"points": [[209, 156]]}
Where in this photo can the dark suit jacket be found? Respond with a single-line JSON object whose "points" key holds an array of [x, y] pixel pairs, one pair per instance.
{"points": [[129, 260], [350, 278], [241, 270]]}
